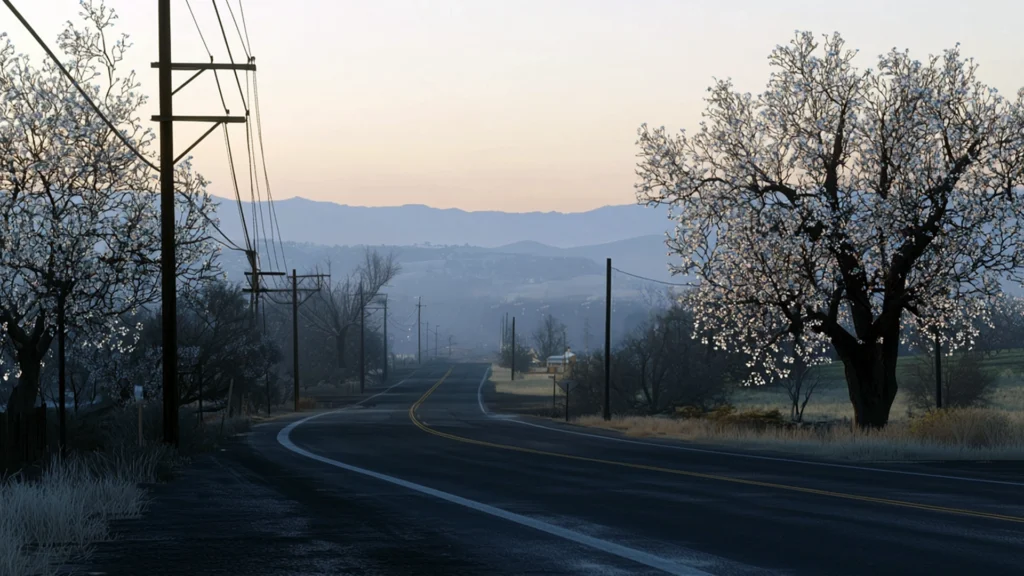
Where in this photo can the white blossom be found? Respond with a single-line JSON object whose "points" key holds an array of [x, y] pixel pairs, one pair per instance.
{"points": [[841, 204]]}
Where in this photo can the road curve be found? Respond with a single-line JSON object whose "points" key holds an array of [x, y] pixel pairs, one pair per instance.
{"points": [[512, 497]]}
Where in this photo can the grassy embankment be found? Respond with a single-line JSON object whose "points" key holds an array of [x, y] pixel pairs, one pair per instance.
{"points": [[992, 432], [53, 513]]}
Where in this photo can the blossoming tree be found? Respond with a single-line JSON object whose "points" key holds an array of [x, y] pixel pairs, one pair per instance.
{"points": [[840, 204], [79, 223]]}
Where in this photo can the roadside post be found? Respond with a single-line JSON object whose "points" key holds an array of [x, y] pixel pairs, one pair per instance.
{"points": [[567, 386]]}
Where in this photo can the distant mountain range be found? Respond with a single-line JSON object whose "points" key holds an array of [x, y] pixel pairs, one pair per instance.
{"points": [[328, 223], [514, 264]]}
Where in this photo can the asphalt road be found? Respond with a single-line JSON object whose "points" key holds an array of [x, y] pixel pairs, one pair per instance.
{"points": [[420, 480]]}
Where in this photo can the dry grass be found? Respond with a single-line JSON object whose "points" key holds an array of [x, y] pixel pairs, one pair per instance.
{"points": [[48, 521], [526, 383], [831, 400], [969, 434], [52, 519]]}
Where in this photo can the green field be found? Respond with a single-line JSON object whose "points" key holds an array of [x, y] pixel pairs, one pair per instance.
{"points": [[1003, 363], [831, 399]]}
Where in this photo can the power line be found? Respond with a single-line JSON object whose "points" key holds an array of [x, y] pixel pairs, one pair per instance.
{"points": [[274, 222], [81, 91], [234, 181], [241, 12], [227, 45], [216, 76], [248, 51], [198, 29], [652, 279], [229, 243]]}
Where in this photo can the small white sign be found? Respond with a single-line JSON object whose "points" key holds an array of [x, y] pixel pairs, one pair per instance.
{"points": [[567, 385]]}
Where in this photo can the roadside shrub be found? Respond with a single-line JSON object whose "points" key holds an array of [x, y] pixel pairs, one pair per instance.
{"points": [[57, 516], [964, 381], [969, 428], [727, 415], [689, 412]]}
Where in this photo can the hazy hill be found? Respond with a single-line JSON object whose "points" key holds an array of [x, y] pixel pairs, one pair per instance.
{"points": [[643, 255], [303, 220]]}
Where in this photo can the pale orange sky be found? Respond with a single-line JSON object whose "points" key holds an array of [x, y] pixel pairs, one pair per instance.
{"points": [[503, 104]]}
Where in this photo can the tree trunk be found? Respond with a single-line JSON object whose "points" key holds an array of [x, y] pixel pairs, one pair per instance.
{"points": [[871, 380], [25, 395], [74, 389], [339, 342]]}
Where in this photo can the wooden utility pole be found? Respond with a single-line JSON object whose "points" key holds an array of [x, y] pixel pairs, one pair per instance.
{"points": [[608, 340], [938, 370], [294, 290], [419, 330], [513, 348], [61, 367], [435, 339], [368, 305], [168, 267], [362, 340], [295, 337]]}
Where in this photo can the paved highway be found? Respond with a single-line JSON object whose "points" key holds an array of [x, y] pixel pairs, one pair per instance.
{"points": [[422, 479]]}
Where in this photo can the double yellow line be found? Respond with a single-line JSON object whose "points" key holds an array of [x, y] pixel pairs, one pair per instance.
{"points": [[687, 473]]}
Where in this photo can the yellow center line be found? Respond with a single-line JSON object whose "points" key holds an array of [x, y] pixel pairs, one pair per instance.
{"points": [[691, 474]]}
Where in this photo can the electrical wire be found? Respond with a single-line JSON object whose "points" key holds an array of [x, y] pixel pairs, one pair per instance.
{"points": [[241, 12], [248, 52], [270, 246], [234, 181], [274, 222], [216, 76], [689, 284], [227, 142], [227, 241], [227, 45], [198, 29], [81, 91]]}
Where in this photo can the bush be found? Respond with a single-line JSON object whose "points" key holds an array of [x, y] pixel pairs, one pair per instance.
{"points": [[47, 521], [753, 418], [968, 428], [689, 412], [964, 382]]}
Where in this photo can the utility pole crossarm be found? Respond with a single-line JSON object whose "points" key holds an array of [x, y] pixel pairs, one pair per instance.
{"points": [[206, 66], [218, 119]]}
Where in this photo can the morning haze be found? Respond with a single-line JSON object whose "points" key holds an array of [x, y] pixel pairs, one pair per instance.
{"points": [[448, 291]]}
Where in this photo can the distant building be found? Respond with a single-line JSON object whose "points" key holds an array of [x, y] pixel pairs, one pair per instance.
{"points": [[560, 363]]}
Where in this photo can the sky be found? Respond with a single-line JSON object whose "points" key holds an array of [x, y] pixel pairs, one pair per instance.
{"points": [[513, 105]]}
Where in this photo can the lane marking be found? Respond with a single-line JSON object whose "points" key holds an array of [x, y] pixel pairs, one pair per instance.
{"points": [[512, 418], [770, 458], [691, 474], [480, 392], [632, 554]]}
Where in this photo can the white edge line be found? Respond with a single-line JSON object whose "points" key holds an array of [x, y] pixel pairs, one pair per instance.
{"points": [[480, 392], [638, 556], [480, 399], [737, 454]]}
